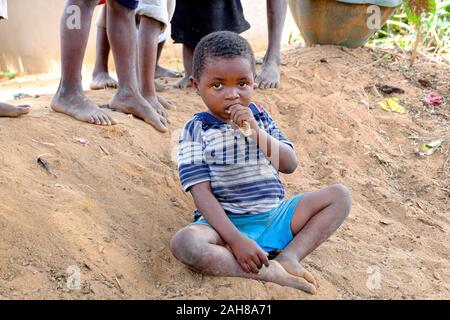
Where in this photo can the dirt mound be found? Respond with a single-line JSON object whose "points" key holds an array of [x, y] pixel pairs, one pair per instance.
{"points": [[112, 205]]}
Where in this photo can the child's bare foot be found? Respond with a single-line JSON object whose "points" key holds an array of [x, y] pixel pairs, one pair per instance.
{"points": [[183, 83], [156, 105], [269, 76], [9, 110], [103, 80], [161, 72], [279, 275], [292, 266], [165, 103], [135, 104], [159, 87], [78, 106]]}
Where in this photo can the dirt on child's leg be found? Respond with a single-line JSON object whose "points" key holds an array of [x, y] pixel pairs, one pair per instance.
{"points": [[316, 217], [9, 110], [201, 248]]}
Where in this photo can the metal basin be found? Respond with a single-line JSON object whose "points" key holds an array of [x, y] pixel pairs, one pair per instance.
{"points": [[332, 22]]}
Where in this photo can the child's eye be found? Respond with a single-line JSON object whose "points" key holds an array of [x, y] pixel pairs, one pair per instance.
{"points": [[217, 85], [242, 84]]}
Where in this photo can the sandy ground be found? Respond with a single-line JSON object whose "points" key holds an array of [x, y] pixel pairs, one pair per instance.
{"points": [[113, 205]]}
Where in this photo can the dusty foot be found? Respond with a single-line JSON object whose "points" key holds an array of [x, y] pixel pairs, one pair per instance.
{"points": [[183, 83], [8, 110], [156, 105], [292, 266], [78, 106], [103, 80], [139, 107], [269, 76], [159, 87], [166, 103], [161, 72], [279, 275]]}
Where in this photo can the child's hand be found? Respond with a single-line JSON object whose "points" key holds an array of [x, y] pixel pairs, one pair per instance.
{"points": [[249, 255], [239, 114]]}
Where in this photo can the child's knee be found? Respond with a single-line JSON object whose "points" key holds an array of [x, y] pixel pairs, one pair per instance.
{"points": [[342, 195], [183, 246]]}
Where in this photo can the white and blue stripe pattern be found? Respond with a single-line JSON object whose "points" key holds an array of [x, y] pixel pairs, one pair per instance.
{"points": [[242, 178]]}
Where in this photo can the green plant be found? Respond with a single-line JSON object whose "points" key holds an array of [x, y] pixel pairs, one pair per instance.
{"points": [[415, 12], [418, 26], [9, 74]]}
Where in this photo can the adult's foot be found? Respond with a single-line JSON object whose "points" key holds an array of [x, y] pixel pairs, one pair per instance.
{"points": [[292, 266], [161, 72], [136, 105], [9, 110], [103, 80], [183, 83], [78, 106], [269, 76], [278, 275]]}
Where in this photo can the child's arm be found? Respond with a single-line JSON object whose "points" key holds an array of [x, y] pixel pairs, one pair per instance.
{"points": [[286, 162], [248, 254]]}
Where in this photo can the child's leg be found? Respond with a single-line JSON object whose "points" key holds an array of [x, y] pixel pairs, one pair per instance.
{"points": [[188, 55], [121, 28], [315, 219], [201, 248], [69, 98], [270, 73], [100, 76], [8, 110], [161, 71], [149, 31]]}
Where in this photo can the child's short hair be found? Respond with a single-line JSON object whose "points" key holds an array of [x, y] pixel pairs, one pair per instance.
{"points": [[221, 44]]}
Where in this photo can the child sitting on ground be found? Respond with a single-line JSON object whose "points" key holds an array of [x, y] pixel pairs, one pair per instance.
{"points": [[233, 178]]}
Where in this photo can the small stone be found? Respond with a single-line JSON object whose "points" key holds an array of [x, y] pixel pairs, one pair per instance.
{"points": [[436, 276], [310, 130], [86, 288]]}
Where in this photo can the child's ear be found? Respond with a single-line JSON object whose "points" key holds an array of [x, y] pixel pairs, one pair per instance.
{"points": [[194, 83]]}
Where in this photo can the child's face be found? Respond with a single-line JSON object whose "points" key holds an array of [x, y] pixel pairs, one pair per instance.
{"points": [[224, 83]]}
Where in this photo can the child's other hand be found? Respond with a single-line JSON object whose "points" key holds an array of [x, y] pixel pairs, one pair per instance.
{"points": [[249, 255], [239, 114]]}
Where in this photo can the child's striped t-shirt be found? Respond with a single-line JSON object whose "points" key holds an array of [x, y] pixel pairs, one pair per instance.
{"points": [[242, 179]]}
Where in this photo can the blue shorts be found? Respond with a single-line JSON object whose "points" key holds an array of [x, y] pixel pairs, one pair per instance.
{"points": [[271, 230], [130, 4]]}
